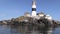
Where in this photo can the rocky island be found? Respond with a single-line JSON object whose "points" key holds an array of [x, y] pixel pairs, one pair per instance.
{"points": [[30, 21], [39, 19]]}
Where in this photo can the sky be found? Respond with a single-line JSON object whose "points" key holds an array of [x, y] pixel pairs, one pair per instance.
{"points": [[16, 8]]}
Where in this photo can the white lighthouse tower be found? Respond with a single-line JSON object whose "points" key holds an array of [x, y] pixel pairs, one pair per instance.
{"points": [[34, 8]]}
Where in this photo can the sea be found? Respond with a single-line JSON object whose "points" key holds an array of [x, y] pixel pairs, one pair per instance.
{"points": [[20, 29]]}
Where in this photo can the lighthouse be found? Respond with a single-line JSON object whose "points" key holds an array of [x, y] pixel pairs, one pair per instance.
{"points": [[34, 8]]}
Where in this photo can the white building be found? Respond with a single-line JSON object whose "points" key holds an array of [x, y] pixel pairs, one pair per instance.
{"points": [[41, 14], [36, 15], [48, 17], [27, 14]]}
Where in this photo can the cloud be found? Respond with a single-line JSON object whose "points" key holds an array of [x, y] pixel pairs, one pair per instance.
{"points": [[2, 16], [16, 11]]}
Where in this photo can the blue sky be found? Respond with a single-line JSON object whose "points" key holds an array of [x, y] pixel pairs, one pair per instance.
{"points": [[15, 8]]}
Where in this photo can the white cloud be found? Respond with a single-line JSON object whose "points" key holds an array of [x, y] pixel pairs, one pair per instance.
{"points": [[2, 16]]}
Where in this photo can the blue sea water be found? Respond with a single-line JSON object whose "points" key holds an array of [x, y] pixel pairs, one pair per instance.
{"points": [[13, 29]]}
